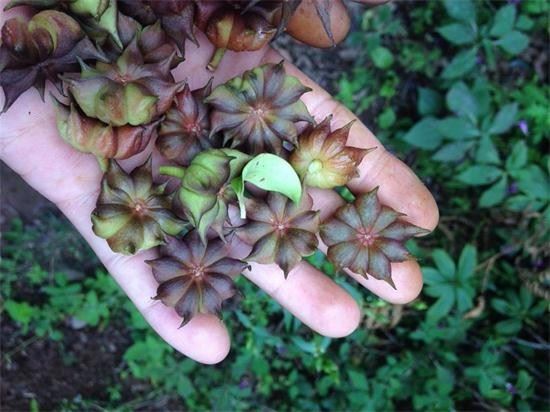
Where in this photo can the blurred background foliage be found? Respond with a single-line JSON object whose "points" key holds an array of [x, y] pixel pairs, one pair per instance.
{"points": [[459, 90]]}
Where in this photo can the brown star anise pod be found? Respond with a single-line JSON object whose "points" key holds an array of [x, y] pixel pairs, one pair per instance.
{"points": [[279, 230], [185, 130], [259, 110], [39, 49], [366, 237], [195, 277], [322, 158], [132, 212]]}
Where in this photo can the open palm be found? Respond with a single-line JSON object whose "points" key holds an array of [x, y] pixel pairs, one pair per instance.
{"points": [[30, 145]]}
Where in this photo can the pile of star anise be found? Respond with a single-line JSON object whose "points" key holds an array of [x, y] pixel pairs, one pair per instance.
{"points": [[243, 153]]}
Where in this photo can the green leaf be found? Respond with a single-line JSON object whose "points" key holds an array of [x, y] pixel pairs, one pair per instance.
{"points": [[20, 312], [534, 182], [440, 308], [461, 64], [504, 21], [358, 380], [424, 134], [495, 194], [453, 152], [513, 42], [487, 152], [457, 33], [463, 10], [382, 57], [479, 175], [270, 172], [509, 326], [524, 23], [386, 118], [518, 156], [504, 119], [467, 262], [462, 101], [501, 306], [432, 276], [444, 263], [457, 128], [429, 101]]}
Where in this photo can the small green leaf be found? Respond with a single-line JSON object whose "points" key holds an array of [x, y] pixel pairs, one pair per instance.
{"points": [[444, 263], [479, 175], [518, 156], [457, 33], [495, 194], [457, 128], [467, 262], [504, 21], [509, 326], [424, 134], [534, 182], [382, 57], [272, 173], [513, 42], [504, 119], [429, 101], [462, 101], [463, 10], [386, 118], [461, 64], [453, 152], [487, 151], [440, 308]]}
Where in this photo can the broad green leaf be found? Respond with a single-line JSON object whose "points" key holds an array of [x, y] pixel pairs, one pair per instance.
{"points": [[457, 33], [461, 64], [432, 276], [462, 101], [429, 101], [20, 312], [457, 128], [440, 308], [386, 118], [467, 262], [463, 299], [509, 326], [534, 182], [525, 297], [518, 156], [513, 42], [495, 194], [444, 263], [524, 23], [358, 380], [382, 57], [463, 10], [424, 134], [501, 306], [273, 173], [453, 152], [479, 175], [487, 151], [504, 119], [504, 21]]}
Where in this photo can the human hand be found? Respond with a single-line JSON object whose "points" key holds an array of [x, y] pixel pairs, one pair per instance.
{"points": [[30, 145]]}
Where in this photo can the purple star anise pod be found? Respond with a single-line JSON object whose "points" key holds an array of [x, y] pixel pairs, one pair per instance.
{"points": [[175, 16], [366, 236], [127, 91], [259, 110], [184, 131], [195, 277], [279, 230], [322, 158], [132, 212], [39, 49]]}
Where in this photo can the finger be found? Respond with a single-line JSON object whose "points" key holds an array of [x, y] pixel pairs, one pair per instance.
{"points": [[406, 276], [31, 147], [306, 293]]}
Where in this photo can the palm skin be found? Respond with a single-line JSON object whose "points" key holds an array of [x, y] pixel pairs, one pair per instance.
{"points": [[30, 145]]}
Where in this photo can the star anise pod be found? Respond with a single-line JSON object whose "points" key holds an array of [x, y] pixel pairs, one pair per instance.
{"points": [[128, 91], [195, 277], [175, 16], [185, 129], [322, 158], [366, 237], [259, 110], [132, 212], [280, 230], [39, 49], [90, 135]]}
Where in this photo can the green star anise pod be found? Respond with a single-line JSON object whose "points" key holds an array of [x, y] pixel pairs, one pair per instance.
{"points": [[132, 212], [279, 230], [33, 51], [195, 277], [128, 91], [322, 158], [206, 190], [90, 135], [259, 110], [185, 130], [366, 236]]}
